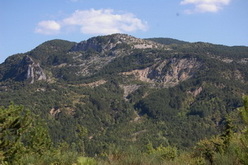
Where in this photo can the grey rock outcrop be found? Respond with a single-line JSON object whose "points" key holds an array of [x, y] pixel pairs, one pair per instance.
{"points": [[34, 71], [167, 73], [25, 70]]}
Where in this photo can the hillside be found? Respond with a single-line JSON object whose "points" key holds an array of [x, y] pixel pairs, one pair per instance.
{"points": [[127, 91]]}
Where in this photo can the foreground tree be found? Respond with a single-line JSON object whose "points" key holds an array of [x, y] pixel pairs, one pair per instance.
{"points": [[14, 121], [20, 134], [243, 152]]}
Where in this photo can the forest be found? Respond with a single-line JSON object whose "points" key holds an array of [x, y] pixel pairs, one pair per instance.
{"points": [[25, 140]]}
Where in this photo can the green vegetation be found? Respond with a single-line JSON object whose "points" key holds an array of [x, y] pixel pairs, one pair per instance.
{"points": [[24, 141], [21, 134]]}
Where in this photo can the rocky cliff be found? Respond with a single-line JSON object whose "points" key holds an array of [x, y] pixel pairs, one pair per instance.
{"points": [[25, 70], [167, 73]]}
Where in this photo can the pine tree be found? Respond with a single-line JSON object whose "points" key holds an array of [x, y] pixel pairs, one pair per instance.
{"points": [[21, 133], [244, 139], [14, 121]]}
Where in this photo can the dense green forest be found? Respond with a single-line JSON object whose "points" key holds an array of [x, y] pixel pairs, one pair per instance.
{"points": [[25, 140], [121, 100]]}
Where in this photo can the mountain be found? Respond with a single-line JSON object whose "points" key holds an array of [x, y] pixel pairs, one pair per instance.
{"points": [[123, 91]]}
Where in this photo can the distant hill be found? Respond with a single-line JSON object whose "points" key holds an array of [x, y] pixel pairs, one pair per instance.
{"points": [[123, 90]]}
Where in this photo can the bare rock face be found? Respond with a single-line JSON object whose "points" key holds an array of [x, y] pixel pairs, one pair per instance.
{"points": [[54, 111], [28, 70], [34, 71], [111, 42], [167, 73], [128, 89]]}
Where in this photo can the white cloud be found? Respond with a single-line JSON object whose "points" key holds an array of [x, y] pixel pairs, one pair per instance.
{"points": [[48, 27], [104, 21], [202, 6]]}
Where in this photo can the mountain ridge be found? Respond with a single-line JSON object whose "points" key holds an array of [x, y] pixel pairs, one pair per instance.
{"points": [[108, 48]]}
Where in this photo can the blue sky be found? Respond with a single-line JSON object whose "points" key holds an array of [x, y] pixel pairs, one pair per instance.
{"points": [[27, 23]]}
